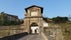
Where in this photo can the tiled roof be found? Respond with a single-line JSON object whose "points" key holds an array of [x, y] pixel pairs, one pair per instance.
{"points": [[35, 6]]}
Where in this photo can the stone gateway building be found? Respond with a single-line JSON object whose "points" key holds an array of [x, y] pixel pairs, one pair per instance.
{"points": [[34, 21]]}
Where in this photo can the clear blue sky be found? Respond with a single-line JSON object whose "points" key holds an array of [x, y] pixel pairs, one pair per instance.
{"points": [[52, 8]]}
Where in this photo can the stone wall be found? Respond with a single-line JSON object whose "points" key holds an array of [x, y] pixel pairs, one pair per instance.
{"points": [[53, 33], [11, 30]]}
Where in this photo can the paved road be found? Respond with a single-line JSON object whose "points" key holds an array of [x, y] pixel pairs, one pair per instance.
{"points": [[31, 37]]}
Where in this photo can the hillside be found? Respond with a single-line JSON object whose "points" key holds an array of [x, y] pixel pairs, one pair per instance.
{"points": [[66, 30]]}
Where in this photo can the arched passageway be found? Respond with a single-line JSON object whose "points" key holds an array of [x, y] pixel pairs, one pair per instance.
{"points": [[34, 29]]}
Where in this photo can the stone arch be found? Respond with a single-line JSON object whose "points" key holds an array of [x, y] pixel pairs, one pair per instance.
{"points": [[34, 29], [34, 24]]}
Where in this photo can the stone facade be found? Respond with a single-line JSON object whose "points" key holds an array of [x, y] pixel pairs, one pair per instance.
{"points": [[33, 15]]}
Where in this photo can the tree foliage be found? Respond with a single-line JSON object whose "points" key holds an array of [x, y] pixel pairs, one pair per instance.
{"points": [[60, 19]]}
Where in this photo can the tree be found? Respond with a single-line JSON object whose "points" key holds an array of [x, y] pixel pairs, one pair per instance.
{"points": [[60, 19]]}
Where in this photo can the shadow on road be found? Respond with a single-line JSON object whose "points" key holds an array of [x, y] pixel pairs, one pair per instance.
{"points": [[14, 37]]}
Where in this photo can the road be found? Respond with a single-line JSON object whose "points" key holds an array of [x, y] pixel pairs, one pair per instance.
{"points": [[31, 37]]}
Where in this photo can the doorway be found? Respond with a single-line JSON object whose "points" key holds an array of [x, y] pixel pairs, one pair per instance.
{"points": [[34, 29]]}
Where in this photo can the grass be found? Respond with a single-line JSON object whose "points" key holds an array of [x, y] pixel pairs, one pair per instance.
{"points": [[66, 30]]}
